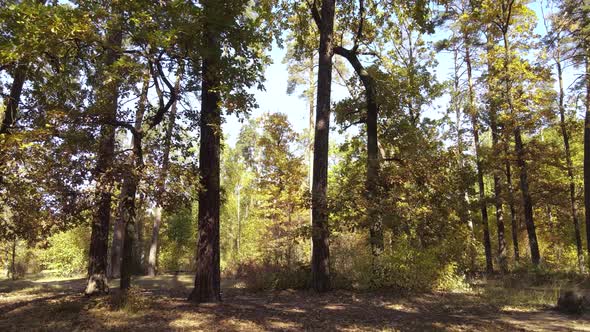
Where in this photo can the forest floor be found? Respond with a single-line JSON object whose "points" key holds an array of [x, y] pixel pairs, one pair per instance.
{"points": [[159, 304]]}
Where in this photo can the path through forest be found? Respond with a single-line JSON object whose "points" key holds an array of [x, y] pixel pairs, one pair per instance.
{"points": [[159, 304]]}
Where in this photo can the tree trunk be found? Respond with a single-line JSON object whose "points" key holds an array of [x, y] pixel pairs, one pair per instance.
{"points": [[13, 261], [587, 156], [498, 197], [11, 102], [526, 198], [107, 97], [482, 196], [527, 202], [208, 279], [126, 208], [513, 215], [569, 164], [320, 258], [372, 181], [153, 252]]}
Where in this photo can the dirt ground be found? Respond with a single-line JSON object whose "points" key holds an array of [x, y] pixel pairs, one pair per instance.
{"points": [[158, 304]]}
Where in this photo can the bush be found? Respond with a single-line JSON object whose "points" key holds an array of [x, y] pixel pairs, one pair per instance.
{"points": [[263, 276], [401, 267], [67, 253]]}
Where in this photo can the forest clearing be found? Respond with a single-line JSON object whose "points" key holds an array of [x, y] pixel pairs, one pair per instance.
{"points": [[295, 165]]}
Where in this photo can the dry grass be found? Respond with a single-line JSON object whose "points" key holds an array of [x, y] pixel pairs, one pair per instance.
{"points": [[158, 304]]}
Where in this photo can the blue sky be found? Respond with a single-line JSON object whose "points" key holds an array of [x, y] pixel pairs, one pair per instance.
{"points": [[276, 99]]}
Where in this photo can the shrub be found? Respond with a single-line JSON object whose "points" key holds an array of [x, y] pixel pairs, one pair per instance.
{"points": [[67, 253]]}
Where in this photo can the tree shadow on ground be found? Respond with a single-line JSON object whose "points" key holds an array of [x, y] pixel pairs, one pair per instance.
{"points": [[160, 305]]}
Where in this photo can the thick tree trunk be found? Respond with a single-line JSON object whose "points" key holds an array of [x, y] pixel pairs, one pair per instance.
{"points": [[569, 164], [12, 100], [372, 181], [513, 215], [107, 97], [207, 279], [117, 244], [320, 257], [482, 196]]}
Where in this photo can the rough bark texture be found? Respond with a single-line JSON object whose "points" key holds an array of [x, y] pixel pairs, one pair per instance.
{"points": [[320, 257], [372, 181], [480, 180], [107, 96], [207, 279], [12, 100]]}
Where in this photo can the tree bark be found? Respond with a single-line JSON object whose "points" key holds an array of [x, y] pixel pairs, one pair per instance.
{"points": [[320, 259], [513, 215], [569, 163], [126, 209], [107, 97], [587, 155], [521, 162], [372, 181], [12, 100], [207, 279], [482, 196]]}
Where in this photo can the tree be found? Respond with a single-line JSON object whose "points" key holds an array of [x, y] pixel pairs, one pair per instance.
{"points": [[320, 259], [106, 106]]}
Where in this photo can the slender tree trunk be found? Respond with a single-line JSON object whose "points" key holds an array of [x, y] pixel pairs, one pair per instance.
{"points": [[128, 190], [12, 100], [521, 162], [498, 198], [587, 155], [13, 261], [372, 181], [526, 198], [569, 163], [207, 279], [107, 97], [320, 258], [482, 196], [513, 215], [153, 252], [138, 248]]}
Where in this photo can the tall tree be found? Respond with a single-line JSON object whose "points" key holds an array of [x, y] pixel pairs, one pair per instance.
{"points": [[208, 278], [106, 105], [320, 258]]}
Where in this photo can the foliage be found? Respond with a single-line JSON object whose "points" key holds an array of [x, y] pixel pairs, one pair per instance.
{"points": [[67, 252]]}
